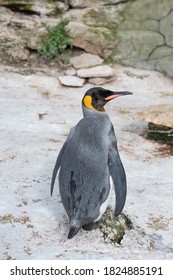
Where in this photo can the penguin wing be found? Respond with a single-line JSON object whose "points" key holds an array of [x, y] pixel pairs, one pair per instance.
{"points": [[117, 173], [59, 159]]}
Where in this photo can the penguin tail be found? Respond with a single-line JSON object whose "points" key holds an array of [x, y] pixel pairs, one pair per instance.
{"points": [[74, 228]]}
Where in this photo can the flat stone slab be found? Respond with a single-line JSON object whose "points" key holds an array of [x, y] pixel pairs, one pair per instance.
{"points": [[71, 81], [160, 114], [101, 81], [70, 72], [160, 133], [86, 60], [101, 71]]}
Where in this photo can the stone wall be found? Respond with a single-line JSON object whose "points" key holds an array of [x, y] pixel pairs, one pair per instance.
{"points": [[138, 33], [145, 35]]}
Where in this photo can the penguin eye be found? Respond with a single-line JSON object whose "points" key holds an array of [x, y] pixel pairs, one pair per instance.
{"points": [[96, 98]]}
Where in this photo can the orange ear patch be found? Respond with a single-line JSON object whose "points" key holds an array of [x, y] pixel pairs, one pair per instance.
{"points": [[88, 102]]}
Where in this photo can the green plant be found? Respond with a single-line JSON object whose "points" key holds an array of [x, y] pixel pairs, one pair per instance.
{"points": [[56, 41], [108, 59]]}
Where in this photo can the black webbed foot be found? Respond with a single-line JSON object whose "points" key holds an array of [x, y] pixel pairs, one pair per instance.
{"points": [[91, 226]]}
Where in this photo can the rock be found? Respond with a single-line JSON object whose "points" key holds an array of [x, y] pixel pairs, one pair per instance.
{"points": [[147, 9], [146, 27], [149, 25], [81, 3], [160, 133], [102, 71], [95, 40], [108, 16], [34, 41], [171, 4], [132, 48], [70, 72], [19, 34], [160, 122], [85, 60], [166, 28], [5, 15], [159, 114], [35, 6], [90, 3], [101, 81], [12, 48], [162, 60], [17, 3], [71, 81]]}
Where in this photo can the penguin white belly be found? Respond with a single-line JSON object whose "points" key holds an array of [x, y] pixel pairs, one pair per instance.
{"points": [[105, 204]]}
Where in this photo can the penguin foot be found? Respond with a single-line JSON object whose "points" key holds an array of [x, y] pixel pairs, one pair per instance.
{"points": [[91, 226]]}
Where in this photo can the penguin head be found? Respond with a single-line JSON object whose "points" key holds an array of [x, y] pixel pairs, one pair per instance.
{"points": [[97, 97]]}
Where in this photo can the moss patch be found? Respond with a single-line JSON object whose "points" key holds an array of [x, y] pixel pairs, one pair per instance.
{"points": [[114, 228], [96, 18]]}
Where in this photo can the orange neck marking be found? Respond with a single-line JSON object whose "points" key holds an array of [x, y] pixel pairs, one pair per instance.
{"points": [[88, 102]]}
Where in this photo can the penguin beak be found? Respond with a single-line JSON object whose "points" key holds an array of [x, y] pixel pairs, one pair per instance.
{"points": [[117, 94]]}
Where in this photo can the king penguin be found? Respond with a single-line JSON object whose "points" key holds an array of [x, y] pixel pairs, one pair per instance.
{"points": [[87, 162]]}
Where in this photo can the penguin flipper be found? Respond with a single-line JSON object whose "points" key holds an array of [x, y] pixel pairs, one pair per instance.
{"points": [[57, 166], [117, 173], [59, 159]]}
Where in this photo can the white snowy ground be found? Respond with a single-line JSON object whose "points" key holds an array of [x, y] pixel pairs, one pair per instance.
{"points": [[36, 114]]}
